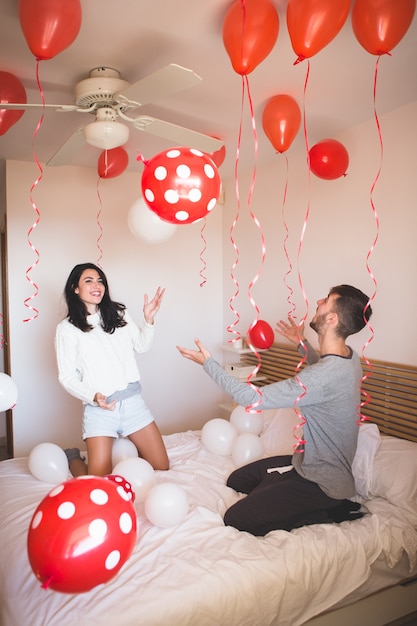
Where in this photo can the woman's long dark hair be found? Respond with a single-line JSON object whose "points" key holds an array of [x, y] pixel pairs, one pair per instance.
{"points": [[112, 313]]}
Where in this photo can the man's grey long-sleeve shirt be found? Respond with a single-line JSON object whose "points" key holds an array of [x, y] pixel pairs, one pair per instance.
{"points": [[327, 393]]}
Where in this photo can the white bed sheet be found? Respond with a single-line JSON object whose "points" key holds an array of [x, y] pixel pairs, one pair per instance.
{"points": [[200, 572]]}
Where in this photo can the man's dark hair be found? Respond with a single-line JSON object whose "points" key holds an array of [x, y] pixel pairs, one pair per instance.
{"points": [[112, 313], [353, 309]]}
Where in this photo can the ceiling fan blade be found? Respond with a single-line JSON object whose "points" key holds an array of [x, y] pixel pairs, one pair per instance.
{"points": [[179, 135], [164, 82], [20, 106], [69, 150]]}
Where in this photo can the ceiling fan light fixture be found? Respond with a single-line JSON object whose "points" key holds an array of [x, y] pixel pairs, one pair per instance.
{"points": [[106, 134]]}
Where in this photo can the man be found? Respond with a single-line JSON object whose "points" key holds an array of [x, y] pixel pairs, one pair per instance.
{"points": [[314, 484]]}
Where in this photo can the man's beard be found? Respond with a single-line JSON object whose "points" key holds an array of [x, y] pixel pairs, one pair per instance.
{"points": [[317, 322]]}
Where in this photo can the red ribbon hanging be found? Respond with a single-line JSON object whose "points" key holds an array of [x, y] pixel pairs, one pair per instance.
{"points": [[99, 212], [202, 259], [287, 274], [363, 418], [35, 208]]}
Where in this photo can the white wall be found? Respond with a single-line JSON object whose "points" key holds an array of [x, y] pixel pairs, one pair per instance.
{"points": [[177, 391], [339, 234], [340, 231]]}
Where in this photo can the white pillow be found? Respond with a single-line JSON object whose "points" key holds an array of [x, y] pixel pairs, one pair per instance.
{"points": [[395, 472], [278, 433], [363, 462]]}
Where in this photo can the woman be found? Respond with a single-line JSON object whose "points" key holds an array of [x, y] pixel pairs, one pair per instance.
{"points": [[95, 347]]}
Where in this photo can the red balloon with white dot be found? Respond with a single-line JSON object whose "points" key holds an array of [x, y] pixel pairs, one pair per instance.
{"points": [[181, 185], [81, 534]]}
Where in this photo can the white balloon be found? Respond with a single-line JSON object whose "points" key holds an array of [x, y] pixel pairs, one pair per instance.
{"points": [[218, 435], [8, 392], [166, 505], [123, 448], [147, 225], [139, 473], [247, 422], [48, 462], [246, 448]]}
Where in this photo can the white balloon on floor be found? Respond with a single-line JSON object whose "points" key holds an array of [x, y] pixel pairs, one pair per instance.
{"points": [[218, 436], [247, 421], [123, 448], [246, 448], [166, 505], [139, 473], [48, 462]]}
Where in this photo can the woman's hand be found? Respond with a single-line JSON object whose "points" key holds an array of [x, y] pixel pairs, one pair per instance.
{"points": [[101, 400], [292, 331], [150, 309], [198, 356]]}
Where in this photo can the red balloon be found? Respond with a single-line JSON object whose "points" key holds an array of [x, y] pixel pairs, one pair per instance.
{"points": [[49, 26], [250, 30], [81, 534], [219, 156], [281, 119], [379, 25], [261, 335], [181, 185], [112, 163], [11, 90], [123, 484], [312, 24], [329, 159]]}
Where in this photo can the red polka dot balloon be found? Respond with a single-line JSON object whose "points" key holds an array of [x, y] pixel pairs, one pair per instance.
{"points": [[81, 534], [181, 185], [122, 483]]}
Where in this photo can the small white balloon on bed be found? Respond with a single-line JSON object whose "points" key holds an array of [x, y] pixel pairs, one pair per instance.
{"points": [[218, 436], [246, 448], [166, 505], [48, 462], [247, 421], [122, 449], [139, 473]]}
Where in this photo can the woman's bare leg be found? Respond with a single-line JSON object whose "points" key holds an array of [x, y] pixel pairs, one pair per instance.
{"points": [[99, 450], [150, 446], [99, 455]]}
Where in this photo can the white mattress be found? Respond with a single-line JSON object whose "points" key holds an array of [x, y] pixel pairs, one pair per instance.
{"points": [[201, 572]]}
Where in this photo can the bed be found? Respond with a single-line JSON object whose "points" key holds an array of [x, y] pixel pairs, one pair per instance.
{"points": [[200, 572]]}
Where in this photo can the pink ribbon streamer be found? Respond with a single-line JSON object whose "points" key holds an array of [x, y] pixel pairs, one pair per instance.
{"points": [[99, 212], [202, 259], [287, 274], [364, 418], [35, 208], [301, 442]]}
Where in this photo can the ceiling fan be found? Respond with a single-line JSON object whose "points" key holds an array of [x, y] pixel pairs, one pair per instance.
{"points": [[110, 99]]}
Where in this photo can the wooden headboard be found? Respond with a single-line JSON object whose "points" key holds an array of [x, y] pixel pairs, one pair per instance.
{"points": [[389, 389]]}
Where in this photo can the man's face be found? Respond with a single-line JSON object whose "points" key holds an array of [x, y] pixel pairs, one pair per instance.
{"points": [[324, 307]]}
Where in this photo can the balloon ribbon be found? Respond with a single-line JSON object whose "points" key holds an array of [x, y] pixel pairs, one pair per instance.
{"points": [[363, 418], [35, 208]]}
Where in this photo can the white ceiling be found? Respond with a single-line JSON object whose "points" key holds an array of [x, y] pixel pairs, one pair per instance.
{"points": [[138, 37]]}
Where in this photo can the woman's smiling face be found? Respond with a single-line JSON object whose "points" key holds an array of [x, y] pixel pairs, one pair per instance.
{"points": [[90, 289]]}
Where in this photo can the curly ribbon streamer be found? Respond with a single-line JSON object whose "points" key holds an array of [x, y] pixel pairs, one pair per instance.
{"points": [[35, 208], [299, 445], [253, 407], [287, 274], [99, 248], [363, 418], [202, 259], [231, 327], [2, 337]]}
